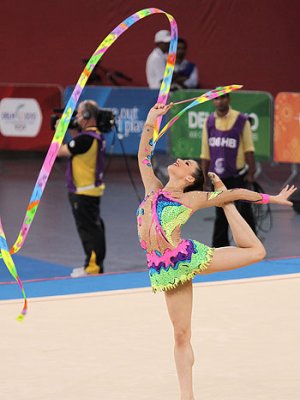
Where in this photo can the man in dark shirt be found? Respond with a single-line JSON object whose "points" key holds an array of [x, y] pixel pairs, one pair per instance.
{"points": [[85, 185]]}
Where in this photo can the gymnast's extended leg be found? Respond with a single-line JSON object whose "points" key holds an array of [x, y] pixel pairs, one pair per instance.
{"points": [[249, 248]]}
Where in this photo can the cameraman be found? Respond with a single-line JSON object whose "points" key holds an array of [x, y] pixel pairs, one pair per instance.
{"points": [[84, 175]]}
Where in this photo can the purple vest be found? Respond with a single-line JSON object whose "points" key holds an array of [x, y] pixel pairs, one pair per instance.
{"points": [[99, 170], [223, 146]]}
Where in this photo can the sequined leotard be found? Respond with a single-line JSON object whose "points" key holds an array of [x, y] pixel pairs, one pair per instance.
{"points": [[171, 260]]}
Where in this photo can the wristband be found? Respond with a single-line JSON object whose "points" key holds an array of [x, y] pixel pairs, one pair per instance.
{"points": [[265, 198]]}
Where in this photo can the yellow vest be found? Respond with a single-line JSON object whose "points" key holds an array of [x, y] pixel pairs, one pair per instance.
{"points": [[84, 171]]}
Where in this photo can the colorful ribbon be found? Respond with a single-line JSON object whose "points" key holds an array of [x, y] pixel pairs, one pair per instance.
{"points": [[64, 122], [212, 94], [12, 268]]}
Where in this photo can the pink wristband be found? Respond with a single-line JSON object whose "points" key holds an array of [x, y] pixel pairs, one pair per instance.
{"points": [[265, 199]]}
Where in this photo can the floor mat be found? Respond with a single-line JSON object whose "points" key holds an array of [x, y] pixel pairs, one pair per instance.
{"points": [[45, 279]]}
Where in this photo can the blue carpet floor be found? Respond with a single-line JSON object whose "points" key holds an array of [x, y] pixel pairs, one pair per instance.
{"points": [[46, 279]]}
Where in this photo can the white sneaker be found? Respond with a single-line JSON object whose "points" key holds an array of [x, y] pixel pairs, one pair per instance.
{"points": [[78, 272]]}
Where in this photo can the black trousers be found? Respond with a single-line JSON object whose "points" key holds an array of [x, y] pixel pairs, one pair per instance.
{"points": [[220, 234], [90, 226]]}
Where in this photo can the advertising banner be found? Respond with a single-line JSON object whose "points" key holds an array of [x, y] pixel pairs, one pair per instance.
{"points": [[287, 128], [25, 113], [185, 136], [130, 106]]}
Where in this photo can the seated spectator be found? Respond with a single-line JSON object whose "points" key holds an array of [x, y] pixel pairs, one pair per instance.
{"points": [[157, 60], [185, 73]]}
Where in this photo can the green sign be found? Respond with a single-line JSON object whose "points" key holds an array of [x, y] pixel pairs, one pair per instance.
{"points": [[185, 135]]}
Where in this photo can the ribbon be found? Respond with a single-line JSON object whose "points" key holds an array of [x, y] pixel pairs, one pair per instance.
{"points": [[63, 125], [12, 269], [212, 94]]}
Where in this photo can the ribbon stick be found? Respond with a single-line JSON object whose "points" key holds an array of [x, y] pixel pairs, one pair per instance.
{"points": [[185, 101], [64, 122], [212, 94]]}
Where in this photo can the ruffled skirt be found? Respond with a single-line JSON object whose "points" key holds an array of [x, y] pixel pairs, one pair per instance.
{"points": [[177, 265]]}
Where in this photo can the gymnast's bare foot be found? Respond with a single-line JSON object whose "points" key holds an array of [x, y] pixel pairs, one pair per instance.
{"points": [[216, 181], [218, 185]]}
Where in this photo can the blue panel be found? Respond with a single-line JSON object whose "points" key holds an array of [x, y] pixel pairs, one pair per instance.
{"points": [[130, 106]]}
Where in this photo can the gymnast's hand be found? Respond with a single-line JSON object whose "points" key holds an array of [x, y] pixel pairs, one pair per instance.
{"points": [[156, 111], [282, 197]]}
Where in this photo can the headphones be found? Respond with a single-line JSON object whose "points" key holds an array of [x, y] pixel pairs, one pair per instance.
{"points": [[86, 114], [90, 110]]}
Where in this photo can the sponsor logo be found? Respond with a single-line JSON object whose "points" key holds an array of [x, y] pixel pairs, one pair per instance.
{"points": [[20, 117], [219, 167], [222, 142], [127, 120], [196, 119], [254, 121]]}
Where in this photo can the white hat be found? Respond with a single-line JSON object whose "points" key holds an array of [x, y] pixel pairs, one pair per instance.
{"points": [[163, 36]]}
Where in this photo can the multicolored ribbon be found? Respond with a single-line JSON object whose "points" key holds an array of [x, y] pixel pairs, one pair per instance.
{"points": [[64, 122], [212, 94], [12, 268]]}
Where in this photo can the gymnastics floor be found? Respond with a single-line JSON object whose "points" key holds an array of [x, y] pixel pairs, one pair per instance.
{"points": [[109, 337]]}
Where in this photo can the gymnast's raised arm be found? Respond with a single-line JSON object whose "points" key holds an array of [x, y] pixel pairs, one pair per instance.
{"points": [[197, 200], [150, 181]]}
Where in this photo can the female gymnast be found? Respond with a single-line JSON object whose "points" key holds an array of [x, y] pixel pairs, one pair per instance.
{"points": [[173, 261]]}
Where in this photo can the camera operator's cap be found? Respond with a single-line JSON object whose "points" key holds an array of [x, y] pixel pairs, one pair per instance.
{"points": [[163, 36]]}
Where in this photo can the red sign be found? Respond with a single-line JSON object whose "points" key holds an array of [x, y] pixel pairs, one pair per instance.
{"points": [[25, 112]]}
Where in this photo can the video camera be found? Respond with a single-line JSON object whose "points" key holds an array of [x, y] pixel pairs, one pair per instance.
{"points": [[58, 113], [105, 120]]}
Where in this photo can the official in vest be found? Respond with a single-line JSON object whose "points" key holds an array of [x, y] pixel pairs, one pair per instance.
{"points": [[228, 150], [85, 184]]}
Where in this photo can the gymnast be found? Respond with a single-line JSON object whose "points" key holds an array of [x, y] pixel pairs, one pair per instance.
{"points": [[174, 261]]}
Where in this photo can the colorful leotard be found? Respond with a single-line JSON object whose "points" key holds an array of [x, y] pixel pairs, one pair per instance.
{"points": [[171, 260]]}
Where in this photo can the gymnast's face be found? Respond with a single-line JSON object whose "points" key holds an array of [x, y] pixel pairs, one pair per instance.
{"points": [[183, 169]]}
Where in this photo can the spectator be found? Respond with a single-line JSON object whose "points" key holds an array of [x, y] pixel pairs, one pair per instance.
{"points": [[85, 185], [157, 60], [228, 151], [185, 73]]}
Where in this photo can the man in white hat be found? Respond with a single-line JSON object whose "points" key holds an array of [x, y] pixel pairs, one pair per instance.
{"points": [[156, 62]]}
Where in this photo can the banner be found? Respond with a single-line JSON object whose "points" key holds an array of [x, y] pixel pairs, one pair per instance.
{"points": [[287, 128], [25, 112], [130, 106], [186, 134]]}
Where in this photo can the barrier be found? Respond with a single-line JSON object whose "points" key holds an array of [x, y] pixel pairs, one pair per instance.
{"points": [[25, 112], [186, 134], [25, 118], [131, 106]]}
